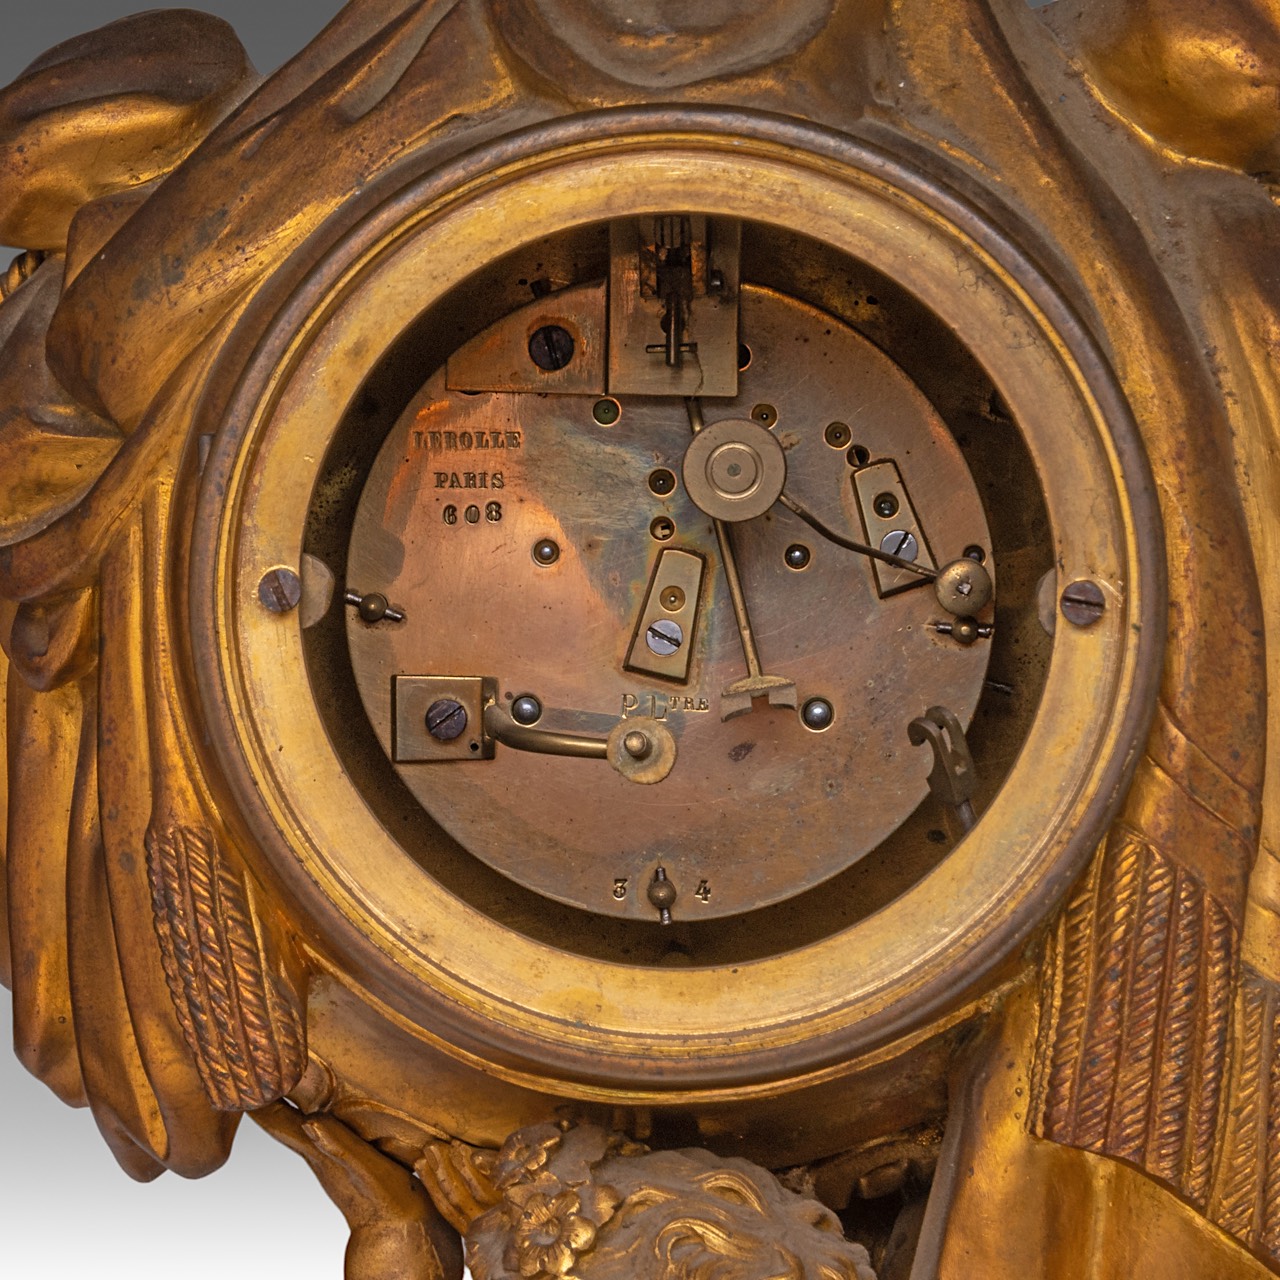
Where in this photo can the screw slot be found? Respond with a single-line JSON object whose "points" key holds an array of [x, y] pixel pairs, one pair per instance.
{"points": [[280, 590], [551, 347], [664, 637], [859, 455], [900, 543], [744, 356], [1083, 603], [447, 720]]}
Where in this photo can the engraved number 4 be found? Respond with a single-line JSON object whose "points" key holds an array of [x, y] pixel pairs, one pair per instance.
{"points": [[703, 891]]}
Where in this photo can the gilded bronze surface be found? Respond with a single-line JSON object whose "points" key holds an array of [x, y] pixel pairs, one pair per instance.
{"points": [[805, 999]]}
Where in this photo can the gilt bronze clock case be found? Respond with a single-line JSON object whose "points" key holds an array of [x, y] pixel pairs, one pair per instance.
{"points": [[616, 612], [885, 960]]}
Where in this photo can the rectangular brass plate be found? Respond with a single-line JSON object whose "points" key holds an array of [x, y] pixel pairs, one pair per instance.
{"points": [[675, 571], [499, 358], [868, 483], [413, 696]]}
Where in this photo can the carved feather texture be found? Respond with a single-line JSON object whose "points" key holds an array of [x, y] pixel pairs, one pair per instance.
{"points": [[239, 1015], [1146, 978], [1145, 961], [1061, 1041], [1269, 1227], [1113, 939], [1146, 1018], [1219, 965], [1245, 1191], [1166, 1133]]}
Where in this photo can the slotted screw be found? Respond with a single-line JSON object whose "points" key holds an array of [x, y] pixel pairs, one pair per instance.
{"points": [[551, 347], [1083, 603], [280, 590], [446, 720]]}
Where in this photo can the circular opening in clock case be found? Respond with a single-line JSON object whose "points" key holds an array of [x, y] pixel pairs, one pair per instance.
{"points": [[505, 902]]}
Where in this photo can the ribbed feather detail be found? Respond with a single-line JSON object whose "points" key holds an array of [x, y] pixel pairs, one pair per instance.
{"points": [[1063, 1040], [1219, 967], [1166, 1135], [1114, 938], [1269, 1235], [1146, 984], [1143, 967], [1247, 1180], [238, 1012], [1046, 1031]]}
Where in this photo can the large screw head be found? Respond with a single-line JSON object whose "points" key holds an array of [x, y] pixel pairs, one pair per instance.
{"points": [[551, 347], [280, 590], [1083, 603], [446, 720], [901, 543], [664, 637]]}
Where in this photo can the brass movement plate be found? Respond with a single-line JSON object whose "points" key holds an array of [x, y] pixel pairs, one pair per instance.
{"points": [[755, 810]]}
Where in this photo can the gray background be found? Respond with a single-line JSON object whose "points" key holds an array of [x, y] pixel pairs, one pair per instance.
{"points": [[66, 1210]]}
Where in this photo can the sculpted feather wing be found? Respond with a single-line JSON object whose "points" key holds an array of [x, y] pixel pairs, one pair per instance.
{"points": [[240, 1020], [144, 983]]}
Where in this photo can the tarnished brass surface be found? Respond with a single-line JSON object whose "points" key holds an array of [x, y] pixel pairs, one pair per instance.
{"points": [[1019, 257], [698, 351], [533, 467]]}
